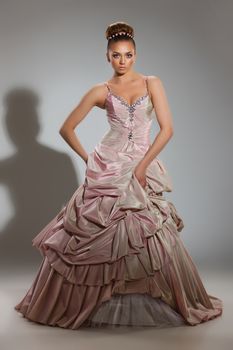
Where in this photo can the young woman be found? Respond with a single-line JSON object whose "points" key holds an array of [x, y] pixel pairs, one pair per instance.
{"points": [[113, 255]]}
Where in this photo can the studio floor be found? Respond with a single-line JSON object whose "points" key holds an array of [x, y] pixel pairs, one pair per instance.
{"points": [[18, 333]]}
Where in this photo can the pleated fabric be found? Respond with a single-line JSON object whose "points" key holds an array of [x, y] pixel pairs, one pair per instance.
{"points": [[113, 255]]}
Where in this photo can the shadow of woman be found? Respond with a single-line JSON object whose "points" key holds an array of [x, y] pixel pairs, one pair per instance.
{"points": [[39, 180]]}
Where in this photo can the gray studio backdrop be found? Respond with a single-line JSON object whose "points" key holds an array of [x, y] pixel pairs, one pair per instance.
{"points": [[53, 51]]}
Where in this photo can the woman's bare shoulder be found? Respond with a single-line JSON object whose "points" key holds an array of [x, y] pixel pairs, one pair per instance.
{"points": [[97, 88], [154, 79], [155, 84], [97, 93]]}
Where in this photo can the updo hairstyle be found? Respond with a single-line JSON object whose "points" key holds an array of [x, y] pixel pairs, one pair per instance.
{"points": [[119, 31]]}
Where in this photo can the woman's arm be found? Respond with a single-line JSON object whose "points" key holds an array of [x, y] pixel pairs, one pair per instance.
{"points": [[164, 117], [93, 97]]}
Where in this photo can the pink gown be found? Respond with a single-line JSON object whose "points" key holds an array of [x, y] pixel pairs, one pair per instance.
{"points": [[113, 256]]}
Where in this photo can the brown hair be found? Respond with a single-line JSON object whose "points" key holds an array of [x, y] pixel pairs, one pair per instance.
{"points": [[119, 31]]}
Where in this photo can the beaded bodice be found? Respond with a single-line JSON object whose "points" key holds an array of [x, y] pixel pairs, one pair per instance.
{"points": [[129, 123]]}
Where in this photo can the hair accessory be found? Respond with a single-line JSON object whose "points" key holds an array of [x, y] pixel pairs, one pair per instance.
{"points": [[120, 33]]}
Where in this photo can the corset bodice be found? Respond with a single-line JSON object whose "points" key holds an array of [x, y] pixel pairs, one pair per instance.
{"points": [[130, 124]]}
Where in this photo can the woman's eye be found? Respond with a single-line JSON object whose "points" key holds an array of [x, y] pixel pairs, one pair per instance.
{"points": [[116, 55]]}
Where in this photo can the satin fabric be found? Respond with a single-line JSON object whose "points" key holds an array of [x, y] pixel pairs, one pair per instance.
{"points": [[115, 239]]}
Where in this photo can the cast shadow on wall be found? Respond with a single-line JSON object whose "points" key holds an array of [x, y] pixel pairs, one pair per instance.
{"points": [[39, 179]]}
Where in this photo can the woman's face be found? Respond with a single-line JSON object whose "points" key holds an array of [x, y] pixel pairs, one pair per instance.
{"points": [[122, 56]]}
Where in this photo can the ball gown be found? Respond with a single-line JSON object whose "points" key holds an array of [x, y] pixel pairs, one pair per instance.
{"points": [[113, 256]]}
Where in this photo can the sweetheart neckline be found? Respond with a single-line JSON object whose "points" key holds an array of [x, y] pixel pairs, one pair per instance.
{"points": [[122, 99]]}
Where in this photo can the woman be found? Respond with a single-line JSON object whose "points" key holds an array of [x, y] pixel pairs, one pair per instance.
{"points": [[113, 255]]}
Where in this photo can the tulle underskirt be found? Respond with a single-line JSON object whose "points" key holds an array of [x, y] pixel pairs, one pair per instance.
{"points": [[134, 309]]}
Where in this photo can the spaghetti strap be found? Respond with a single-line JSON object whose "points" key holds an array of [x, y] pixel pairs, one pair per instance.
{"points": [[146, 81], [105, 83]]}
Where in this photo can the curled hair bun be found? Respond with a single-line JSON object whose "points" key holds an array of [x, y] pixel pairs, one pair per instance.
{"points": [[118, 29]]}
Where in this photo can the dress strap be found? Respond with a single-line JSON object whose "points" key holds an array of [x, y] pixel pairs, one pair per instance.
{"points": [[146, 81], [106, 84]]}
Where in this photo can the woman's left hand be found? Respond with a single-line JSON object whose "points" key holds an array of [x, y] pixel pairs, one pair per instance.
{"points": [[140, 173]]}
